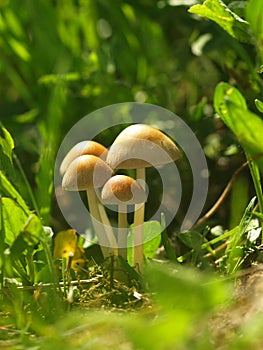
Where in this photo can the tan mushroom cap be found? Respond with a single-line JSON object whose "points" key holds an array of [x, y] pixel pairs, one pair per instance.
{"points": [[81, 148], [141, 146], [122, 189], [84, 172]]}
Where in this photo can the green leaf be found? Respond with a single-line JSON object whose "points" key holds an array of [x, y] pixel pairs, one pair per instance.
{"points": [[259, 105], [6, 149], [218, 12], [8, 190], [29, 236], [225, 92], [170, 252], [245, 221], [6, 143], [14, 219], [27, 117], [152, 238], [235, 248], [247, 126], [254, 15], [191, 239], [19, 49], [194, 241]]}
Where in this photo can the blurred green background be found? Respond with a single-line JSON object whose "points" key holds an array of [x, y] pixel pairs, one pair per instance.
{"points": [[62, 59]]}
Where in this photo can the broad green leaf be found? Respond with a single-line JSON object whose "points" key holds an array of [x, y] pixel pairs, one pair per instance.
{"points": [[14, 219], [225, 92], [191, 239], [254, 16], [218, 12], [29, 236], [8, 190], [152, 238], [247, 126]]}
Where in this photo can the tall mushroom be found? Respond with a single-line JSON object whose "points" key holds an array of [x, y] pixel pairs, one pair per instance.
{"points": [[122, 190], [88, 172], [137, 147]]}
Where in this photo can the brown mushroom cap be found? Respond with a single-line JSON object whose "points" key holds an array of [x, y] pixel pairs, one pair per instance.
{"points": [[122, 189], [84, 172], [141, 146], [81, 148]]}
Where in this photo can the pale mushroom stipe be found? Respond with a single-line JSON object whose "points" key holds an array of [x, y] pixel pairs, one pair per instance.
{"points": [[122, 190], [88, 172]]}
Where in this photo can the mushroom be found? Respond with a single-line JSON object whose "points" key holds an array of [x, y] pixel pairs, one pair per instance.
{"points": [[137, 147], [122, 190], [81, 148], [88, 172]]}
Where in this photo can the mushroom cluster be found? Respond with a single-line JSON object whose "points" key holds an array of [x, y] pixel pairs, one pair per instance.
{"points": [[91, 167]]}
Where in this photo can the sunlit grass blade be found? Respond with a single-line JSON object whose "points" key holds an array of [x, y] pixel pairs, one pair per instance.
{"points": [[235, 247]]}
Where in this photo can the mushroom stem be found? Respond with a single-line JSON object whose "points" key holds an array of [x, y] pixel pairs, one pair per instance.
{"points": [[138, 255], [108, 229], [95, 218], [122, 230]]}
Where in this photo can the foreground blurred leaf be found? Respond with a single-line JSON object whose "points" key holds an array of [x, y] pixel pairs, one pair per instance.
{"points": [[182, 289], [186, 298], [218, 12]]}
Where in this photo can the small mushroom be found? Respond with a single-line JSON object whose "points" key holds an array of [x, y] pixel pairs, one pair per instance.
{"points": [[122, 190], [80, 149], [87, 173], [137, 147]]}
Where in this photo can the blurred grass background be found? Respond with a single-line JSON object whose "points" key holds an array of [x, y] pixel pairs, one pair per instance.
{"points": [[60, 60]]}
